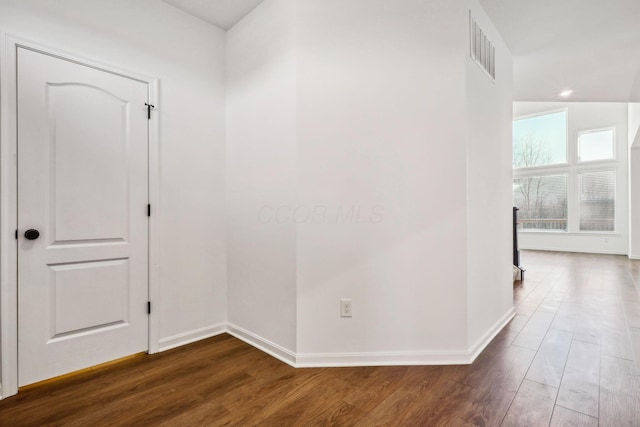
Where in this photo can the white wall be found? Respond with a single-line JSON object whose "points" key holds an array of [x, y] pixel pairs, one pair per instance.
{"points": [[347, 177], [634, 180], [261, 173], [586, 116], [489, 188], [381, 132], [152, 38]]}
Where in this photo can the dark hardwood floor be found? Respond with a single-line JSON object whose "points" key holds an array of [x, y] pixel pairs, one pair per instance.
{"points": [[569, 358]]}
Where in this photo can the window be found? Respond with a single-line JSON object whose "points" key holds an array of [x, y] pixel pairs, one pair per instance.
{"points": [[597, 201], [595, 145], [542, 201], [561, 183], [540, 140]]}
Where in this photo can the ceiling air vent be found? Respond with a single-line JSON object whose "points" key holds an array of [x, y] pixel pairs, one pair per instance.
{"points": [[482, 50]]}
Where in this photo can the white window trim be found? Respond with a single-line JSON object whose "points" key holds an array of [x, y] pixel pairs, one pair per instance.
{"points": [[613, 168], [614, 143], [545, 173], [573, 168], [566, 138]]}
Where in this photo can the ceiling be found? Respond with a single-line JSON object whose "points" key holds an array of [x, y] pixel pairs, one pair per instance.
{"points": [[590, 46], [221, 13]]}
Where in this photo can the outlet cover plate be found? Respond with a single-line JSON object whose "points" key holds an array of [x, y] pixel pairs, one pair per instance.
{"points": [[346, 307]]}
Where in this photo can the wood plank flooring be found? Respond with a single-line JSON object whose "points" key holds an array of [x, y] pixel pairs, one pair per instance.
{"points": [[569, 358]]}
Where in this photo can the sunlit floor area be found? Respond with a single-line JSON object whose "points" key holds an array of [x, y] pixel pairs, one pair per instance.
{"points": [[569, 357]]}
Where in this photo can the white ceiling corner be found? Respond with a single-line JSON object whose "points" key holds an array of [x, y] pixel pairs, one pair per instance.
{"points": [[221, 13]]}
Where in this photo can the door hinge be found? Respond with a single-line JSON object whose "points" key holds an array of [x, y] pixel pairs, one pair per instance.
{"points": [[149, 107], [16, 234], [148, 210], [148, 307]]}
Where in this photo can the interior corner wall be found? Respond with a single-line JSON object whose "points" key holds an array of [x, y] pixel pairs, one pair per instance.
{"points": [[150, 37], [489, 188], [634, 179], [261, 174], [382, 169], [584, 116]]}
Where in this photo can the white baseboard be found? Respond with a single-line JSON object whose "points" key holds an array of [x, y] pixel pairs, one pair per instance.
{"points": [[405, 358], [192, 336], [484, 340], [318, 360], [275, 350], [311, 360], [577, 250]]}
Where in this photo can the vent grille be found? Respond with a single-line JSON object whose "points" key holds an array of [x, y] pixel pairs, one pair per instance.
{"points": [[482, 50]]}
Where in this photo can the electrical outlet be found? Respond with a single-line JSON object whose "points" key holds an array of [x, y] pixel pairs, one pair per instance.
{"points": [[346, 308]]}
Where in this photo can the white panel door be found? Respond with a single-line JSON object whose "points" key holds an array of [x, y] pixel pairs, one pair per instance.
{"points": [[83, 185]]}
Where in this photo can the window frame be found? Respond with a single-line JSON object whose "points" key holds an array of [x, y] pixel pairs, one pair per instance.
{"points": [[573, 168], [566, 139], [610, 168], [614, 157], [537, 174]]}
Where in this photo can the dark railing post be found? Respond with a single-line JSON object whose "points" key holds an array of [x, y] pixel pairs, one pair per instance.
{"points": [[516, 250]]}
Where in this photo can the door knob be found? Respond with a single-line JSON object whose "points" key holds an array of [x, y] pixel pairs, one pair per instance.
{"points": [[31, 234]]}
